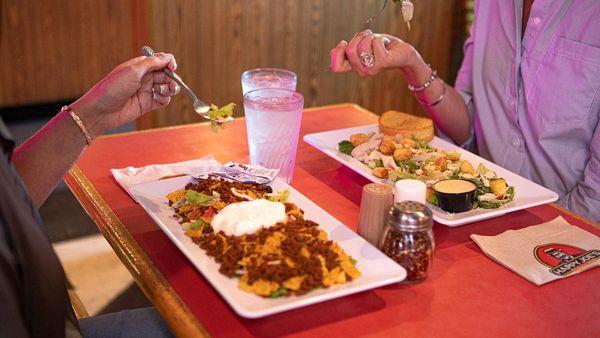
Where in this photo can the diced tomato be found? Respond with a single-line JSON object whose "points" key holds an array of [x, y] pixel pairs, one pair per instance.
{"points": [[210, 212]]}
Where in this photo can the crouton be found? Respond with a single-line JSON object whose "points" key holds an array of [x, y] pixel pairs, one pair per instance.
{"points": [[402, 154], [387, 147], [498, 186], [380, 172], [358, 139]]}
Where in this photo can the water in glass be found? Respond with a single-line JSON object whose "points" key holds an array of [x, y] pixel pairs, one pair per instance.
{"points": [[268, 78], [273, 119]]}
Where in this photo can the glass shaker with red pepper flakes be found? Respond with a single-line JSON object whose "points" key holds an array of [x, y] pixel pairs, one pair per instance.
{"points": [[408, 238]]}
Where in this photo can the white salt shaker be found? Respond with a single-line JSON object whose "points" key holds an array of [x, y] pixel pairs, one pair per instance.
{"points": [[410, 190]]}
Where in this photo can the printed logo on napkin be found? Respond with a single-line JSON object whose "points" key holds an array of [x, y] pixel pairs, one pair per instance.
{"points": [[563, 259], [544, 252]]}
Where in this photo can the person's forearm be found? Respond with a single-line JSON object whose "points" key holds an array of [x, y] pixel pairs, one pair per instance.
{"points": [[44, 159], [451, 114]]}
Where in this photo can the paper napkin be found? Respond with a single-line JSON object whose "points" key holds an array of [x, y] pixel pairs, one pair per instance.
{"points": [[545, 252], [130, 176]]}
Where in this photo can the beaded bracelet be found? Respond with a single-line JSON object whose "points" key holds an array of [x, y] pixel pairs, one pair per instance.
{"points": [[426, 84]]}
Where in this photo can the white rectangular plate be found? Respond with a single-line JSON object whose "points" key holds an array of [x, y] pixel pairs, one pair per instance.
{"points": [[376, 268], [527, 193]]}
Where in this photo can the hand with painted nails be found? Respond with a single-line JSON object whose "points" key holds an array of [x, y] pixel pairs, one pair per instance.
{"points": [[368, 54], [132, 89]]}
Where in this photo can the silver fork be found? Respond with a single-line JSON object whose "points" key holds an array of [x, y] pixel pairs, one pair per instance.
{"points": [[199, 107]]}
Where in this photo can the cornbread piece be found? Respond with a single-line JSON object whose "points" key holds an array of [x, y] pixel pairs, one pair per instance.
{"points": [[408, 142], [408, 126]]}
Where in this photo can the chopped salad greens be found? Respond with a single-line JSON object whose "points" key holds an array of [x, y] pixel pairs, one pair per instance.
{"points": [[395, 158], [218, 116], [198, 199], [346, 147], [281, 196]]}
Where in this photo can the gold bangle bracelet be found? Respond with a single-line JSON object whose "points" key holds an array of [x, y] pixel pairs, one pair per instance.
{"points": [[75, 117]]}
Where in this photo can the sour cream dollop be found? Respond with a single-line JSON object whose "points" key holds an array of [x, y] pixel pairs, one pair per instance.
{"points": [[246, 218]]}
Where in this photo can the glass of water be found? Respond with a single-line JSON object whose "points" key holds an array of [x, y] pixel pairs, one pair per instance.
{"points": [[268, 78], [273, 117]]}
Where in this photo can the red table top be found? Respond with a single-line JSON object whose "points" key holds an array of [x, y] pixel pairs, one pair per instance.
{"points": [[466, 294]]}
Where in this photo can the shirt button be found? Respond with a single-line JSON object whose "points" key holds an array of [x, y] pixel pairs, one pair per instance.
{"points": [[516, 142], [537, 21]]}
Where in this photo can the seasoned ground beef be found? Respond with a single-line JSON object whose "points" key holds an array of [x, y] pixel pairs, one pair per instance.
{"points": [[228, 251], [285, 259], [213, 183]]}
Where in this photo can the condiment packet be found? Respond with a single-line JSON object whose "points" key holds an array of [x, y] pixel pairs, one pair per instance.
{"points": [[249, 173], [201, 168], [244, 173], [545, 252]]}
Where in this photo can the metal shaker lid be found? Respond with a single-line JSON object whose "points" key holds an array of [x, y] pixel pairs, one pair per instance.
{"points": [[410, 215]]}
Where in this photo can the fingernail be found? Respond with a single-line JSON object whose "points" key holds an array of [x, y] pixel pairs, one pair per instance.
{"points": [[164, 89], [177, 89], [342, 43], [164, 56]]}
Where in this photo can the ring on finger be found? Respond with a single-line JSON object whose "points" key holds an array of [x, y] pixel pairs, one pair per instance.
{"points": [[367, 60]]}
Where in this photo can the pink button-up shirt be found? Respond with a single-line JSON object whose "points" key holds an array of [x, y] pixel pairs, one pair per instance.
{"points": [[535, 101]]}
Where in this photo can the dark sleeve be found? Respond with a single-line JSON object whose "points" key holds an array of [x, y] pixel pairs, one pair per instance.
{"points": [[12, 323]]}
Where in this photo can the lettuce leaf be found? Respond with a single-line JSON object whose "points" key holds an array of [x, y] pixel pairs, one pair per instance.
{"points": [[280, 292], [196, 198], [346, 147], [433, 199], [412, 166], [281, 196], [219, 114], [481, 169], [198, 224], [399, 175]]}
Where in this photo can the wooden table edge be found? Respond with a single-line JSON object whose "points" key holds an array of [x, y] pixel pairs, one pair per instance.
{"points": [[576, 216], [180, 319]]}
